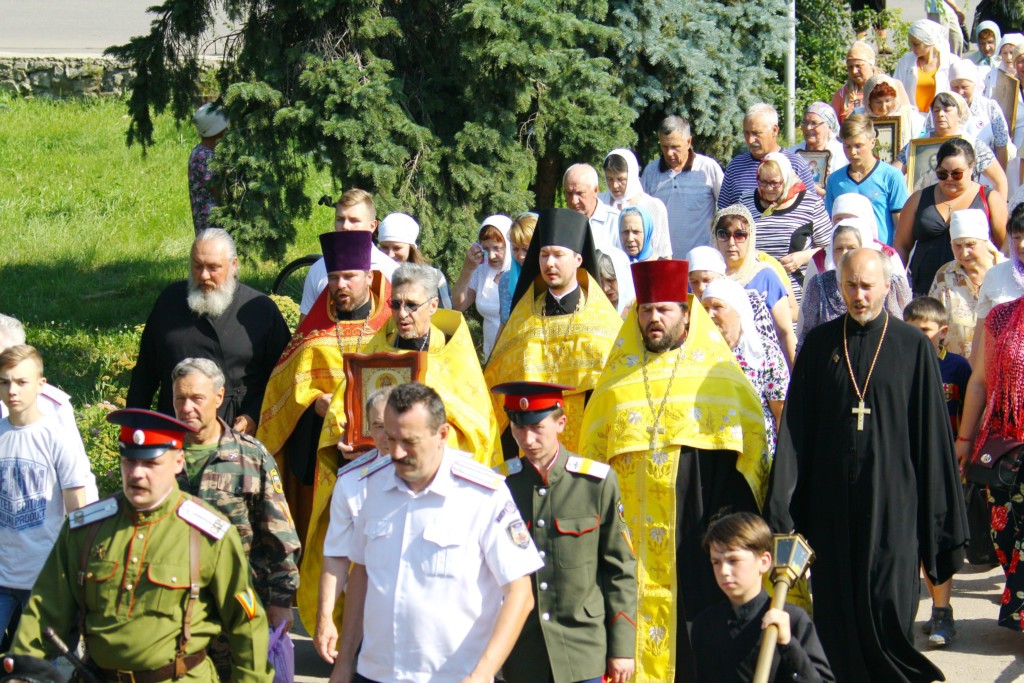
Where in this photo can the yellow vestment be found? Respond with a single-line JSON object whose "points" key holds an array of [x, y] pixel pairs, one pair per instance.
{"points": [[710, 406], [563, 349], [312, 365], [452, 371]]}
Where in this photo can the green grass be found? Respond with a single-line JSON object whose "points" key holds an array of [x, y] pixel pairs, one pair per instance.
{"points": [[92, 231]]}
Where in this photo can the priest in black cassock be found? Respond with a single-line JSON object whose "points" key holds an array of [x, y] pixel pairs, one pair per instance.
{"points": [[865, 469]]}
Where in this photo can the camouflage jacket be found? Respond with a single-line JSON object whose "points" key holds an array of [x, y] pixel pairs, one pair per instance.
{"points": [[241, 481]]}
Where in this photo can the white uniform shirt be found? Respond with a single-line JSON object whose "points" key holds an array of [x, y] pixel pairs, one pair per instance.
{"points": [[346, 501], [316, 278], [436, 562]]}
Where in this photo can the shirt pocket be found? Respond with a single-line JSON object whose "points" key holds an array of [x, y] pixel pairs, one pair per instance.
{"points": [[576, 540], [697, 197], [167, 590], [100, 587], [377, 552], [443, 550]]}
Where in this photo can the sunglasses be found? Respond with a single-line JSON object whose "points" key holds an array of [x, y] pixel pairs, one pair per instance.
{"points": [[943, 174], [723, 235], [397, 305]]}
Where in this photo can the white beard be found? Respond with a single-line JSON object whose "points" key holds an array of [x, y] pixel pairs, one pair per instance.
{"points": [[211, 304]]}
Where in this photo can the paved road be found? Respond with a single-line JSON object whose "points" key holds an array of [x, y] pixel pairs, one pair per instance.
{"points": [[70, 27]]}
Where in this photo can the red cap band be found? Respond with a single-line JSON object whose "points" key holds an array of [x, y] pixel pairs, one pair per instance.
{"points": [[133, 436], [535, 402]]}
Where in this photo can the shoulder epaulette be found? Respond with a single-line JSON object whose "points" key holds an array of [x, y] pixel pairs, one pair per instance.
{"points": [[472, 471], [580, 465], [358, 462], [509, 467], [93, 512], [204, 519], [374, 467], [249, 439]]}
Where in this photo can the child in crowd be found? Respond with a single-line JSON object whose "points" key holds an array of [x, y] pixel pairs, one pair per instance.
{"points": [[727, 636], [930, 316]]}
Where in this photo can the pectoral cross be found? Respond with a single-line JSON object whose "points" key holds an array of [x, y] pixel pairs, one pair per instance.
{"points": [[654, 430], [860, 411]]}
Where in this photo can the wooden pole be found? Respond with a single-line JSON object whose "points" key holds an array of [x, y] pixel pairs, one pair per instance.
{"points": [[770, 638]]}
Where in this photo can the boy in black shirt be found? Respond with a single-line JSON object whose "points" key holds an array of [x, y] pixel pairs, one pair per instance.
{"points": [[727, 636]]}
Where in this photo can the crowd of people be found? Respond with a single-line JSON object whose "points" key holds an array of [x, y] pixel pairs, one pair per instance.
{"points": [[672, 370]]}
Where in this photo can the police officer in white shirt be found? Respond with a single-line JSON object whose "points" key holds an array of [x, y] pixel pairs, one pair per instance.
{"points": [[441, 559]]}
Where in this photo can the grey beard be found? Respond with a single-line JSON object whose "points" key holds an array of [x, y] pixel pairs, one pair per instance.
{"points": [[211, 304]]}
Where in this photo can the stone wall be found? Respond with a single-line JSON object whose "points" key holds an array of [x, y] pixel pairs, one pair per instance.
{"points": [[58, 77]]}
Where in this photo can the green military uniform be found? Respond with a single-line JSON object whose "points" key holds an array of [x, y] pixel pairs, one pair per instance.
{"points": [[585, 611], [134, 588], [240, 480]]}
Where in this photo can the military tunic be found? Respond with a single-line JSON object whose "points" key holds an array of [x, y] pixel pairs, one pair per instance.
{"points": [[242, 483], [585, 611], [135, 587]]}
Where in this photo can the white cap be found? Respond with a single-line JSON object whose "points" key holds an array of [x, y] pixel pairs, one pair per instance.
{"points": [[398, 227], [706, 258], [968, 223], [209, 120], [963, 70]]}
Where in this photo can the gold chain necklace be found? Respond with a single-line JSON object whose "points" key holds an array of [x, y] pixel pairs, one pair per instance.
{"points": [[654, 429], [860, 411], [362, 328]]}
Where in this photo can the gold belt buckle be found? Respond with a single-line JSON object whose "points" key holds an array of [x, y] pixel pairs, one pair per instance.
{"points": [[125, 676]]}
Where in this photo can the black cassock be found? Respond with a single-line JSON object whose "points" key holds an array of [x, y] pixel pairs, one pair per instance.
{"points": [[245, 341], [872, 503]]}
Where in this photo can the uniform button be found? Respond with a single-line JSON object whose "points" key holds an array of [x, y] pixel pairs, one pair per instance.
{"points": [[543, 585], [174, 579], [89, 575], [542, 554], [540, 522], [546, 616], [135, 559], [129, 586], [542, 492], [140, 537]]}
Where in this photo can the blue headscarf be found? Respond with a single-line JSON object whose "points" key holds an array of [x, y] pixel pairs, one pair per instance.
{"points": [[645, 217]]}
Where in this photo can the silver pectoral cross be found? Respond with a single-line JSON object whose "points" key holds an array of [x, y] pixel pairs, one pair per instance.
{"points": [[860, 411], [654, 430]]}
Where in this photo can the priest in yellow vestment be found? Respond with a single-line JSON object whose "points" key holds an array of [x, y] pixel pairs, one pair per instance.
{"points": [[679, 422], [416, 324], [346, 316], [562, 325]]}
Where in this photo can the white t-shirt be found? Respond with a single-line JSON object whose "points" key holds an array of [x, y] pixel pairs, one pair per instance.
{"points": [[316, 278], [37, 462], [436, 562]]}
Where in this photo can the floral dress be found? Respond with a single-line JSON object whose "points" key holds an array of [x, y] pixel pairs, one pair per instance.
{"points": [[770, 382], [1004, 416], [960, 297], [200, 182]]}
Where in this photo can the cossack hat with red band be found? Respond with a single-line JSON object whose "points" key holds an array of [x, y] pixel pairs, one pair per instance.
{"points": [[146, 434], [527, 403], [660, 281]]}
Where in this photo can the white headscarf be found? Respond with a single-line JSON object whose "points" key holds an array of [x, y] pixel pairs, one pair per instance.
{"points": [[863, 229], [503, 224], [623, 276], [399, 227], [931, 33], [706, 258], [633, 186], [853, 204], [750, 346]]}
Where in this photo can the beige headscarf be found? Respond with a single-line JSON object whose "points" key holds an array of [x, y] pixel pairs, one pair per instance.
{"points": [[791, 183], [750, 266], [873, 82]]}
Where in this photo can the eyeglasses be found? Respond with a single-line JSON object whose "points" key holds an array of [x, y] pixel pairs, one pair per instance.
{"points": [[772, 185], [811, 124], [740, 236], [398, 305], [943, 174]]}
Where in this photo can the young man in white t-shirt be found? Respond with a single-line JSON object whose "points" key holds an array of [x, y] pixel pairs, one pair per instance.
{"points": [[43, 476]]}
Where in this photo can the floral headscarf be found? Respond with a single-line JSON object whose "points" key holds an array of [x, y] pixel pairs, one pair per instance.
{"points": [[791, 184], [826, 112]]}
